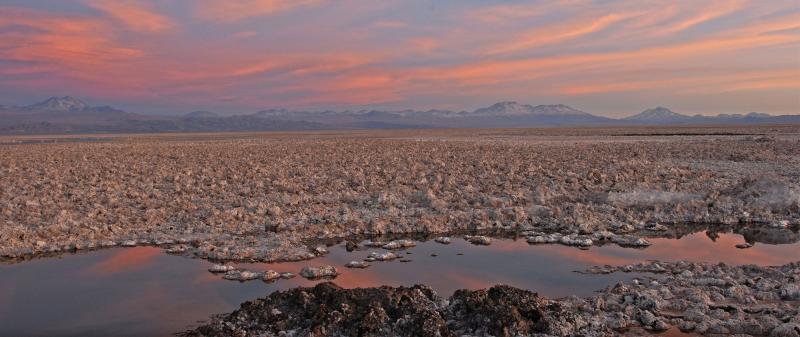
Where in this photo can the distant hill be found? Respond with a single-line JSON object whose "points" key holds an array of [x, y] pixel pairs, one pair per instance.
{"points": [[202, 114], [71, 115], [657, 115], [665, 116], [511, 108], [61, 104]]}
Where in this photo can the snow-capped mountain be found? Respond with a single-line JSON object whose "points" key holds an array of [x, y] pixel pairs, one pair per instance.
{"points": [[511, 108], [66, 104], [657, 115]]}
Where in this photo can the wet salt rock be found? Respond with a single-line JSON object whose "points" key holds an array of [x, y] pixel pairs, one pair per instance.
{"points": [[320, 250], [786, 330], [241, 275], [177, 249], [656, 227], [287, 275], [630, 241], [313, 273], [744, 245], [443, 240], [374, 244], [398, 244], [599, 270], [603, 235], [162, 241], [357, 264], [478, 240], [579, 241], [107, 243], [350, 246], [270, 275], [375, 256], [539, 239], [221, 268], [128, 243]]}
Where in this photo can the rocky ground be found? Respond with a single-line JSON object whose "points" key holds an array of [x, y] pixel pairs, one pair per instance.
{"points": [[266, 197], [702, 299], [277, 197]]}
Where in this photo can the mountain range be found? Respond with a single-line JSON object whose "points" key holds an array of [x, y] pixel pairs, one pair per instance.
{"points": [[70, 115]]}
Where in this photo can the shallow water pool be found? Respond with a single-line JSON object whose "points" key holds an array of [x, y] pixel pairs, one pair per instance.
{"points": [[144, 292]]}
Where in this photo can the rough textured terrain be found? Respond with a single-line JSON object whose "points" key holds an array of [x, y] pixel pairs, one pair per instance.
{"points": [[696, 298], [265, 197]]}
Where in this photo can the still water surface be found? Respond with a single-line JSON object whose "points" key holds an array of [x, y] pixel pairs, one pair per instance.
{"points": [[144, 292]]}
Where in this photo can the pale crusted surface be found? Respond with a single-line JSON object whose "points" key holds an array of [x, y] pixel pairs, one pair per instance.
{"points": [[263, 198]]}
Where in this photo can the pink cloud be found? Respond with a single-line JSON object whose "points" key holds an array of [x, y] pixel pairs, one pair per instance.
{"points": [[136, 15], [235, 10]]}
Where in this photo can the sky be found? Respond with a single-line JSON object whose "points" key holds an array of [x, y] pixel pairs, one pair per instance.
{"points": [[613, 58]]}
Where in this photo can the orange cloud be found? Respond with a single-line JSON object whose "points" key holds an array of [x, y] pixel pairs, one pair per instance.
{"points": [[504, 13], [424, 44], [710, 82], [391, 24], [133, 14], [716, 10], [560, 33], [73, 42], [235, 10], [508, 71]]}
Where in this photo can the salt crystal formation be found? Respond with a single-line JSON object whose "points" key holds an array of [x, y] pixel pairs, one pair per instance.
{"points": [[265, 199], [313, 273]]}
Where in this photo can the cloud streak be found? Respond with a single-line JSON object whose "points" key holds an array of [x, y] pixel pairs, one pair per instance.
{"points": [[236, 10], [135, 15], [239, 55]]}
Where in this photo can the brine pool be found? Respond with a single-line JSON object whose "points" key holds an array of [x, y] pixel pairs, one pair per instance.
{"points": [[142, 291]]}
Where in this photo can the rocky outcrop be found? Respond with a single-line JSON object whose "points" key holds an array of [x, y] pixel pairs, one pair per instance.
{"points": [[704, 299], [328, 310]]}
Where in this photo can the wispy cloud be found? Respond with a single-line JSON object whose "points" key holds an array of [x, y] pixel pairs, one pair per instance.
{"points": [[72, 42], [136, 15], [559, 32], [235, 10], [713, 10]]}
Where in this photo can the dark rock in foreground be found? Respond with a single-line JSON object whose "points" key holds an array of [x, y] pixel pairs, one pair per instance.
{"points": [[328, 310], [703, 299]]}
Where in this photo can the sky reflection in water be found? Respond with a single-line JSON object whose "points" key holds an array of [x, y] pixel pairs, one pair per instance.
{"points": [[142, 291]]}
